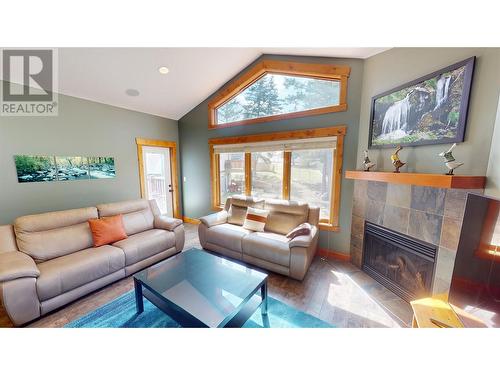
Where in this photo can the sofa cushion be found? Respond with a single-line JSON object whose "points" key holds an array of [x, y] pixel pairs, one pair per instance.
{"points": [[285, 215], [267, 246], [236, 215], [238, 208], [68, 272], [54, 234], [227, 235], [143, 245], [137, 214]]}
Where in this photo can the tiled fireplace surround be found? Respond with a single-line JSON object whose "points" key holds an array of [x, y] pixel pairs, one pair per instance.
{"points": [[430, 214]]}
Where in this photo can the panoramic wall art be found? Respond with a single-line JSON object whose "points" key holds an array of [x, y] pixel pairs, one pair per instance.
{"points": [[429, 110], [63, 168]]}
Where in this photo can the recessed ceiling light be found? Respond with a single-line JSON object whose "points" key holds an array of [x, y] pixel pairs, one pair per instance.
{"points": [[132, 92], [163, 70]]}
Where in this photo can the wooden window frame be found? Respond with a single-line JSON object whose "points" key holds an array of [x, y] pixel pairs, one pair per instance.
{"points": [[331, 224], [338, 73], [172, 146]]}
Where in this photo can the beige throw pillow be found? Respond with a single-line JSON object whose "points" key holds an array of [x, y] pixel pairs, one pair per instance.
{"points": [[255, 219]]}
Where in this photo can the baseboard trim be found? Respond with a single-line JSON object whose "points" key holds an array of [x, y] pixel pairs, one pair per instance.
{"points": [[190, 220], [334, 255]]}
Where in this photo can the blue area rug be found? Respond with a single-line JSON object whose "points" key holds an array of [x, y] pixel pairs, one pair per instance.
{"points": [[121, 313]]}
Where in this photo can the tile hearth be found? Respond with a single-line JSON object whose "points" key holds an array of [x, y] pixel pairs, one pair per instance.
{"points": [[430, 214]]}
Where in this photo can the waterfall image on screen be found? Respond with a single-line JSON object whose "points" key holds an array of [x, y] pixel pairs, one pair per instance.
{"points": [[426, 111]]}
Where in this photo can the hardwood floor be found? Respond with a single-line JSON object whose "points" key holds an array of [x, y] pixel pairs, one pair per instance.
{"points": [[335, 291]]}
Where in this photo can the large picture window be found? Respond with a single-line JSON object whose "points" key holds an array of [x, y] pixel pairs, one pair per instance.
{"points": [[298, 165], [312, 178], [231, 174], [273, 90], [267, 174]]}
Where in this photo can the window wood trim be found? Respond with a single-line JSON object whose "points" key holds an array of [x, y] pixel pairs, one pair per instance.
{"points": [[172, 146], [331, 224], [323, 71]]}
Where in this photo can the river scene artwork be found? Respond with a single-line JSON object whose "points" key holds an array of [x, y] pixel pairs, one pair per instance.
{"points": [[429, 110], [63, 168]]}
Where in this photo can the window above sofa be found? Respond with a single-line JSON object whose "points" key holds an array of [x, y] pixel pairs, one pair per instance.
{"points": [[303, 165], [274, 90]]}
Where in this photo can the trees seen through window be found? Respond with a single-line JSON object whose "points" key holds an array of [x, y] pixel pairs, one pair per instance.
{"points": [[275, 94]]}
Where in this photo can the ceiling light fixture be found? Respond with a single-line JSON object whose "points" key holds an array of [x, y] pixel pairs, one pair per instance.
{"points": [[163, 70]]}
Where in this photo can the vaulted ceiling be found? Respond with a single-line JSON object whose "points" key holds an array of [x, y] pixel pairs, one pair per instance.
{"points": [[129, 77]]}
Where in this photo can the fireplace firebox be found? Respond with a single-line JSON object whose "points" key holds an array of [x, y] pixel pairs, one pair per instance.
{"points": [[401, 263]]}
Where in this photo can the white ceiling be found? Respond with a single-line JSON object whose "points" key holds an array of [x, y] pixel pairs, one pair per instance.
{"points": [[104, 74]]}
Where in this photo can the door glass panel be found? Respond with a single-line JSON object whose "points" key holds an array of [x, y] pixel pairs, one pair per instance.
{"points": [[158, 180]]}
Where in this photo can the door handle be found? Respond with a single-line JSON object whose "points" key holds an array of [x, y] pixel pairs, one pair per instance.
{"points": [[170, 190]]}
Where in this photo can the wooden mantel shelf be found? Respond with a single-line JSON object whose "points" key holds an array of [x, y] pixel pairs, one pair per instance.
{"points": [[421, 179]]}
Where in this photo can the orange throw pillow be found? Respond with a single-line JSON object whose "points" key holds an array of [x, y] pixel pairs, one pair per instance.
{"points": [[107, 230]]}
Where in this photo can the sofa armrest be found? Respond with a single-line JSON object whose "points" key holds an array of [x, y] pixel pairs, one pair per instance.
{"points": [[304, 241], [215, 218], [301, 255], [15, 265], [166, 223]]}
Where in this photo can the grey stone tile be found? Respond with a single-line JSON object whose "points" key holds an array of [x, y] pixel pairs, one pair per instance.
{"points": [[428, 199], [396, 218], [359, 207], [356, 254], [357, 241], [450, 233], [375, 212], [454, 205], [399, 195], [376, 191], [360, 189], [425, 226], [357, 226], [441, 286], [445, 264]]}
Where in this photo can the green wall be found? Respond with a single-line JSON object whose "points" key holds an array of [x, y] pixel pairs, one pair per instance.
{"points": [[81, 128], [397, 66], [195, 164]]}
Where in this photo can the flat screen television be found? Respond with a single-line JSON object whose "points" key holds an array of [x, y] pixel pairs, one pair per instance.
{"points": [[475, 284]]}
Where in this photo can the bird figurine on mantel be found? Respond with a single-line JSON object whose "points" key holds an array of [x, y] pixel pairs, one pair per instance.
{"points": [[367, 164], [450, 162], [396, 161]]}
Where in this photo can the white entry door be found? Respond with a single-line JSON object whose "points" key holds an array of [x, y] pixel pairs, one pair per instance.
{"points": [[158, 177]]}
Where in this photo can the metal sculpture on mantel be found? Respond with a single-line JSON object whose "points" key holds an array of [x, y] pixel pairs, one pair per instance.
{"points": [[396, 161], [367, 163], [450, 162]]}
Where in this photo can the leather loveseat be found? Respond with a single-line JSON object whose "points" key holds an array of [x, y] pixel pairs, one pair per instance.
{"points": [[223, 232], [48, 260]]}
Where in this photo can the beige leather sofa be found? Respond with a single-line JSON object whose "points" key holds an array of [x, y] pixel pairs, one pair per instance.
{"points": [[48, 260], [223, 233]]}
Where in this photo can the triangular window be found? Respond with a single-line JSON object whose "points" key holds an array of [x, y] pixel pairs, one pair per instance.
{"points": [[268, 93]]}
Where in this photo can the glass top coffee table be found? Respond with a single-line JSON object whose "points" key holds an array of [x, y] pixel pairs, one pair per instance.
{"points": [[199, 289]]}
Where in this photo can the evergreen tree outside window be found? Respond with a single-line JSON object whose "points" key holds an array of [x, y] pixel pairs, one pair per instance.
{"points": [[275, 94], [272, 90]]}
